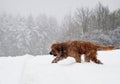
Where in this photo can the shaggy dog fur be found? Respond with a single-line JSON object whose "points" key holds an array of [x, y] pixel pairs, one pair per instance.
{"points": [[75, 49]]}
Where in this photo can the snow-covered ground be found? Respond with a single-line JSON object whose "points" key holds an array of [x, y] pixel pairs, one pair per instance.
{"points": [[39, 70]]}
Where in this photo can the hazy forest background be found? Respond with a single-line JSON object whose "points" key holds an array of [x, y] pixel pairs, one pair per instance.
{"points": [[21, 35]]}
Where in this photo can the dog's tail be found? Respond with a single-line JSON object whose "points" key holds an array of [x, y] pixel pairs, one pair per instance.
{"points": [[102, 47]]}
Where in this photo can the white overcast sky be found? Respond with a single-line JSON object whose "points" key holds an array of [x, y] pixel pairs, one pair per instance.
{"points": [[57, 8]]}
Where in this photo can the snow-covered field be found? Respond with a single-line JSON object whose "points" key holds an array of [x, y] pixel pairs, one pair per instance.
{"points": [[39, 70]]}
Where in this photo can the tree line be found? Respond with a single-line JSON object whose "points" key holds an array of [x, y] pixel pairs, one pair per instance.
{"points": [[33, 35], [99, 25]]}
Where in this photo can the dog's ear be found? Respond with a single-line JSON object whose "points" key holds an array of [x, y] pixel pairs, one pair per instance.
{"points": [[60, 48]]}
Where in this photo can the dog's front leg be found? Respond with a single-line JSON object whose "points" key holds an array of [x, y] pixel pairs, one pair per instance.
{"points": [[57, 59]]}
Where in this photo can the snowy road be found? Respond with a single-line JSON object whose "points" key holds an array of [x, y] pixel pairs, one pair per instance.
{"points": [[39, 70], [11, 69]]}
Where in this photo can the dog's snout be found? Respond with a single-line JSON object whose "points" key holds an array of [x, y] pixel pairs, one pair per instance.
{"points": [[50, 53]]}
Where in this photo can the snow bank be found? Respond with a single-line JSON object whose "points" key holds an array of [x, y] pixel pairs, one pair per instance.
{"points": [[11, 69], [39, 70]]}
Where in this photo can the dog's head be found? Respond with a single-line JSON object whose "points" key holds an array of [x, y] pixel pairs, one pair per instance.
{"points": [[57, 49]]}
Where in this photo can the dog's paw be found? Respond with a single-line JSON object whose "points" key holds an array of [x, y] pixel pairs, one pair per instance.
{"points": [[54, 61]]}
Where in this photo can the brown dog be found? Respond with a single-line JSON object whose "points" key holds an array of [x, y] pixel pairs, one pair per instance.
{"points": [[75, 49]]}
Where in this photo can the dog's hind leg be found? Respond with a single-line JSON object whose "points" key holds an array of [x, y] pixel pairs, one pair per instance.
{"points": [[93, 57]]}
